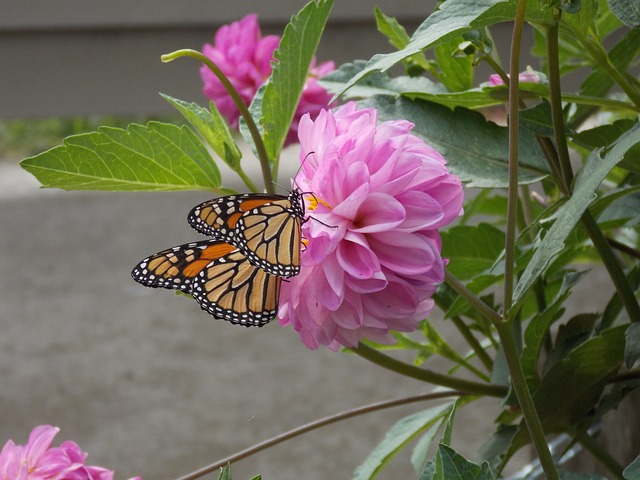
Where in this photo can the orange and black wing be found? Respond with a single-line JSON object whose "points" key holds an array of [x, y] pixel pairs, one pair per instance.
{"points": [[219, 277], [266, 228]]}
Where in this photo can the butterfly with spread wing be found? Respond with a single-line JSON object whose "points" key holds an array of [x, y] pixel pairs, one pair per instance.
{"points": [[265, 227], [218, 276]]}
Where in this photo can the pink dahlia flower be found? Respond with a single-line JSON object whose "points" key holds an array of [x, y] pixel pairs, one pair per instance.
{"points": [[245, 56], [527, 76], [372, 261], [37, 460]]}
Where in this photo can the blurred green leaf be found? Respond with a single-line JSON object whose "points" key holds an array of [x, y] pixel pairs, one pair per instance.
{"points": [[422, 447], [628, 11], [632, 472], [290, 70], [471, 249], [587, 182], [397, 437], [598, 83], [632, 344], [573, 386], [157, 156], [475, 150], [538, 328], [538, 119], [213, 128], [225, 472], [398, 37]]}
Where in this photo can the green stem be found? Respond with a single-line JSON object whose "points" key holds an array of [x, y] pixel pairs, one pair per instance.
{"points": [[555, 100], [244, 111], [525, 400], [316, 424], [633, 252], [471, 298], [428, 376], [595, 449], [473, 342], [610, 261], [247, 181], [512, 191]]}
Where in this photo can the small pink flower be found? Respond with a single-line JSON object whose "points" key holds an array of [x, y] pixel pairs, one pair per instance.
{"points": [[245, 56], [373, 261], [528, 76], [37, 460]]}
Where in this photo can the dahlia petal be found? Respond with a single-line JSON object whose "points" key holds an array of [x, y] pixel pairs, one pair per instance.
{"points": [[422, 211], [356, 258], [403, 253], [380, 212]]}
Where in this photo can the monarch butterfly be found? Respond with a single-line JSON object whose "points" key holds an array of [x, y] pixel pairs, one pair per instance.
{"points": [[266, 228], [219, 277]]}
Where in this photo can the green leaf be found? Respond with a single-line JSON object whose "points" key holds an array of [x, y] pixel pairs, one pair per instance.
{"points": [[455, 467], [451, 19], [471, 249], [377, 84], [213, 128], [157, 156], [481, 160], [589, 178], [397, 437], [632, 472], [293, 58], [628, 11], [398, 37], [456, 73], [538, 328], [573, 386], [538, 119], [599, 82], [632, 344], [421, 449], [225, 472]]}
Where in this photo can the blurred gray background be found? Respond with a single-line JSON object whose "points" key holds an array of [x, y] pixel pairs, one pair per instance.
{"points": [[144, 380]]}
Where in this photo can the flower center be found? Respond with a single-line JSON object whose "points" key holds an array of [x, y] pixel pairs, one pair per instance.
{"points": [[314, 201]]}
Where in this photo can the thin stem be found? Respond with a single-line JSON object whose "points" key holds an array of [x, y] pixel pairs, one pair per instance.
{"points": [[428, 376], [599, 453], [525, 400], [247, 181], [633, 252], [244, 111], [556, 104], [473, 342], [512, 191], [625, 292], [471, 298], [316, 424]]}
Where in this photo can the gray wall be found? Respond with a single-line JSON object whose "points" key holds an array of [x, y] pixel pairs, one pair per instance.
{"points": [[84, 57]]}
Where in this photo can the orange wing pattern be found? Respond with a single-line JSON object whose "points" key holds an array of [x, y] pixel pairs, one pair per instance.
{"points": [[266, 228], [219, 277]]}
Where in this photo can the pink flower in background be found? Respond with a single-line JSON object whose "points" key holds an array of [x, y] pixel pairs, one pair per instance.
{"points": [[313, 99], [372, 262], [528, 76], [245, 56], [37, 460]]}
